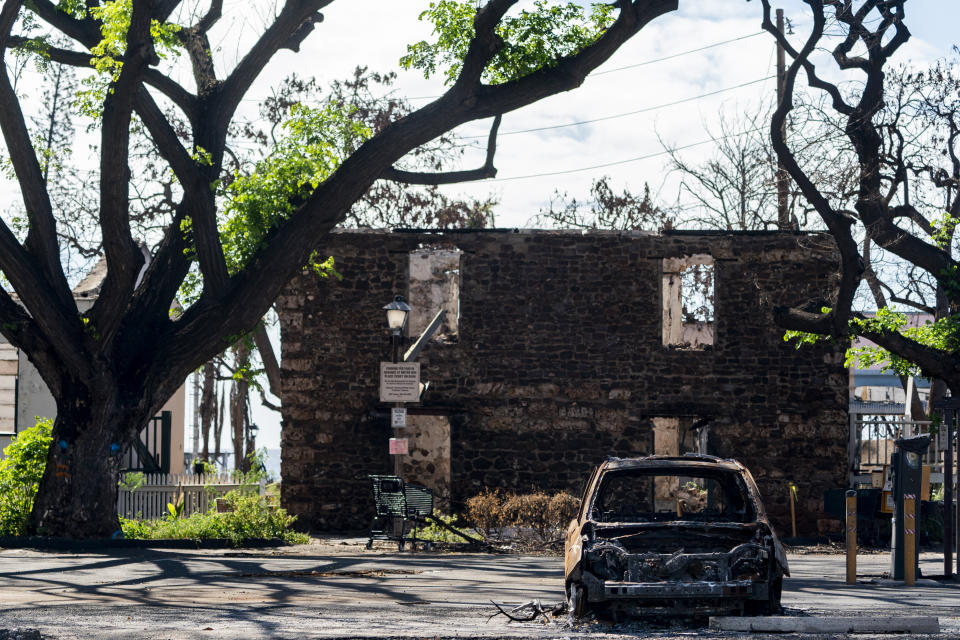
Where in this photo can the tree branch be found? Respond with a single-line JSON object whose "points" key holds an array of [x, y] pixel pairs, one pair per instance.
{"points": [[80, 59], [22, 332], [485, 44], [451, 177], [211, 17], [294, 23], [930, 359], [812, 78], [124, 258], [487, 101], [838, 225], [166, 139], [269, 358], [41, 241], [85, 31], [57, 321]]}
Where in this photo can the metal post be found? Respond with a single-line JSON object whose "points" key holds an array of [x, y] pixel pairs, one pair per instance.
{"points": [[853, 448], [909, 539], [851, 537], [948, 516], [397, 463]]}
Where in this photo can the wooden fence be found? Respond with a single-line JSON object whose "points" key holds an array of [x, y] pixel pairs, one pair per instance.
{"points": [[198, 493]]}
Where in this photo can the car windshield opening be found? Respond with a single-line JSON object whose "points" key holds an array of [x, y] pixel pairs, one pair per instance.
{"points": [[659, 496]]}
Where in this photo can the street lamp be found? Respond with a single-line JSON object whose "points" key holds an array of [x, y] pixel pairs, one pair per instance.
{"points": [[396, 317]]}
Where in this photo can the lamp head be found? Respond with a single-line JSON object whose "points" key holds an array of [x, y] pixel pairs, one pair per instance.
{"points": [[397, 314]]}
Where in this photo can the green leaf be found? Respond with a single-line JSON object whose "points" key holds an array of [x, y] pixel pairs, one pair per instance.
{"points": [[533, 40]]}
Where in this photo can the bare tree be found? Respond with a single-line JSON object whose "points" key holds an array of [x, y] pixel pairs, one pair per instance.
{"points": [[736, 188], [606, 209], [862, 38]]}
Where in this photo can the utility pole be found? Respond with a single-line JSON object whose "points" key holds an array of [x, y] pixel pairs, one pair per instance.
{"points": [[783, 215]]}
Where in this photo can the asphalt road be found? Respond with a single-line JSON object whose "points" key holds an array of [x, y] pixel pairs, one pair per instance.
{"points": [[342, 590]]}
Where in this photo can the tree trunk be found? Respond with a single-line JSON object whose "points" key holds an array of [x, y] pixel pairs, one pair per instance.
{"points": [[238, 407], [208, 407], [218, 428], [77, 497], [237, 415]]}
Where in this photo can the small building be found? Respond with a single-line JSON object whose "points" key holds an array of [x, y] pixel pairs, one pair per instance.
{"points": [[561, 348]]}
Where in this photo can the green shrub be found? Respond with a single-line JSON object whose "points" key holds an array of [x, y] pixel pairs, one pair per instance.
{"points": [[20, 473], [251, 519]]}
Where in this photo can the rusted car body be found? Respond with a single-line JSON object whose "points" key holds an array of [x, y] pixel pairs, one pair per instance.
{"points": [[673, 535]]}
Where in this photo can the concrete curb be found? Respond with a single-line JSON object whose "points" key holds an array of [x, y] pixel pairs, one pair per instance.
{"points": [[784, 624]]}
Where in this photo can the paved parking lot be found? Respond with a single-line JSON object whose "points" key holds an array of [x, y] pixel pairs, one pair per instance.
{"points": [[342, 590]]}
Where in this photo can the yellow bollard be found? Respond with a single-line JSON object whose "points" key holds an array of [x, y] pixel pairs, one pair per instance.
{"points": [[851, 537], [909, 539]]}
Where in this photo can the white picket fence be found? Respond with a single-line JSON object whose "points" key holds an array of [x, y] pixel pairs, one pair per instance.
{"points": [[198, 493]]}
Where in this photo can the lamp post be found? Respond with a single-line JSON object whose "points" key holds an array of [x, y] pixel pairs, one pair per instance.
{"points": [[397, 312]]}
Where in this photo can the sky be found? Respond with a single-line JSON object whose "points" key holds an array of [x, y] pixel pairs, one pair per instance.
{"points": [[737, 73], [650, 71]]}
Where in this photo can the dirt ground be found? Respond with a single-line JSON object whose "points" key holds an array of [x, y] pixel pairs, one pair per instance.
{"points": [[335, 588]]}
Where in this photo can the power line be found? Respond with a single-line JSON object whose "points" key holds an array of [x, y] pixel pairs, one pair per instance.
{"points": [[676, 55], [628, 113], [647, 62], [628, 160]]}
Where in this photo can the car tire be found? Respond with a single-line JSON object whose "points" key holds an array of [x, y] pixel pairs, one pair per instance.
{"points": [[577, 600], [770, 606]]}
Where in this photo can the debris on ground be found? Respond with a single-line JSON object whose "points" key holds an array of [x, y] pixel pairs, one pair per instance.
{"points": [[530, 611]]}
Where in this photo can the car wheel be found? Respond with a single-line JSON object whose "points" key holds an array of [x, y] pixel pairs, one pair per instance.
{"points": [[576, 599], [768, 607]]}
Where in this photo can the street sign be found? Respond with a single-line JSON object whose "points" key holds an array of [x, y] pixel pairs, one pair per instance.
{"points": [[399, 446], [398, 417], [399, 382]]}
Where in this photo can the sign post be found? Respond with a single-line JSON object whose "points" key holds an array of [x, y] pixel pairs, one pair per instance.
{"points": [[399, 382]]}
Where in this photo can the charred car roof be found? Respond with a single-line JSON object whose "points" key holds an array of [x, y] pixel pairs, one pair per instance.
{"points": [[694, 461]]}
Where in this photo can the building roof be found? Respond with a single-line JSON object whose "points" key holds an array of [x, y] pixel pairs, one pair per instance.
{"points": [[876, 408]]}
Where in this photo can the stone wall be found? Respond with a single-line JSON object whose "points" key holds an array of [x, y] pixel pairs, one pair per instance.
{"points": [[558, 360]]}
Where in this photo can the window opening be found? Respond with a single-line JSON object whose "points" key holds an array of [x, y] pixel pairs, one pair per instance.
{"points": [[8, 387], [435, 285], [688, 302]]}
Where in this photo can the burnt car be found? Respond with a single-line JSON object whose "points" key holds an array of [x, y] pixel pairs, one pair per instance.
{"points": [[673, 535]]}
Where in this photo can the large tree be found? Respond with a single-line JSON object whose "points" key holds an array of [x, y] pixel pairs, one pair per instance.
{"points": [[113, 367], [901, 132]]}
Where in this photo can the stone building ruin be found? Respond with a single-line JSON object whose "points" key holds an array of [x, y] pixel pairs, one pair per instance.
{"points": [[559, 349]]}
